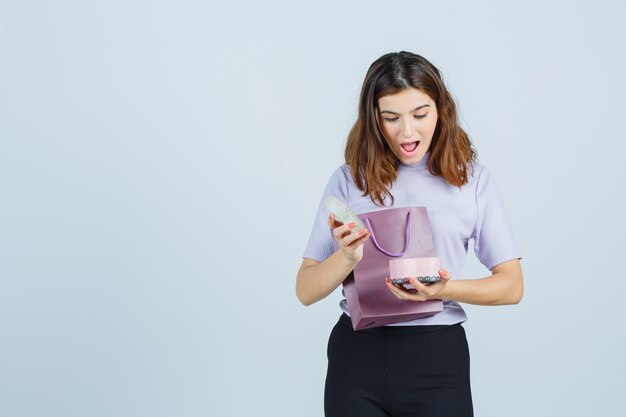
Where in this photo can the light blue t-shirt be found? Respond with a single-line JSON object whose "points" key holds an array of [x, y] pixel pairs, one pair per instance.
{"points": [[475, 211]]}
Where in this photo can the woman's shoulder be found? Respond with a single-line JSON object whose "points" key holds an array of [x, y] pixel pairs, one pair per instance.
{"points": [[481, 180], [339, 182], [475, 171], [342, 174], [476, 174]]}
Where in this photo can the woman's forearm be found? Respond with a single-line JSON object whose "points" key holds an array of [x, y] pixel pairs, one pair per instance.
{"points": [[318, 281], [501, 288]]}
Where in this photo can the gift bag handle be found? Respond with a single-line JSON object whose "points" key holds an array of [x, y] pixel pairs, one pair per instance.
{"points": [[408, 237]]}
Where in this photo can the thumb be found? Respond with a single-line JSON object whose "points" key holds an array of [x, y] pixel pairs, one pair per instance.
{"points": [[332, 221], [445, 274]]}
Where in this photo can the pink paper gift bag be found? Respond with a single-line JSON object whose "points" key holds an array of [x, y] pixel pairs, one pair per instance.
{"points": [[395, 233]]}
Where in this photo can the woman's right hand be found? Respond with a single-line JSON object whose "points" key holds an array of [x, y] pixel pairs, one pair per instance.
{"points": [[350, 243]]}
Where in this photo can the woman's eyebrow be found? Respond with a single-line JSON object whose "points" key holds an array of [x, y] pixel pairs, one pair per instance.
{"points": [[417, 108]]}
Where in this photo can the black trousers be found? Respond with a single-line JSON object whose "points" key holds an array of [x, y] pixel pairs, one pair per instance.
{"points": [[407, 371]]}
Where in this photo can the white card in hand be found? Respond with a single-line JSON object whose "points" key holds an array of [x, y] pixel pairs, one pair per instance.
{"points": [[342, 213]]}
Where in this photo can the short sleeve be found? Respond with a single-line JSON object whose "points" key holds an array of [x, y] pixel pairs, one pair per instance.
{"points": [[321, 243], [494, 242]]}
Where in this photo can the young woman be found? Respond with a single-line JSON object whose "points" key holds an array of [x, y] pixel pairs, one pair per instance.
{"points": [[407, 149]]}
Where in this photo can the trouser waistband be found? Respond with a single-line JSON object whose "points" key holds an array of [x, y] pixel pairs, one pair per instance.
{"points": [[346, 321]]}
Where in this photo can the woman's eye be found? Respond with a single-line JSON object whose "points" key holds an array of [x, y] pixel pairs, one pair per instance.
{"points": [[393, 119]]}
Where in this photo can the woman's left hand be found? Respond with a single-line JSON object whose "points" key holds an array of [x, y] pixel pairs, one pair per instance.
{"points": [[422, 292]]}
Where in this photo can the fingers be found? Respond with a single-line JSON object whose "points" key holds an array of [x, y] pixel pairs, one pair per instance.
{"points": [[430, 291], [332, 222], [353, 238], [418, 285], [422, 292], [360, 238], [343, 233], [340, 231], [403, 294]]}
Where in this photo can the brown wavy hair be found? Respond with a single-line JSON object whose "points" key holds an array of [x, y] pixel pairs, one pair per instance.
{"points": [[373, 164]]}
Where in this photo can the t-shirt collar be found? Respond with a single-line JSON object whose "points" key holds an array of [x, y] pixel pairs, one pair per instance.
{"points": [[421, 165]]}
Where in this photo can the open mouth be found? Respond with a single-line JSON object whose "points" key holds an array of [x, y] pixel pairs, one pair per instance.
{"points": [[410, 147]]}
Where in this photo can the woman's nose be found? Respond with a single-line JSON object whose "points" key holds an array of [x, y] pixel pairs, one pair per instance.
{"points": [[407, 129]]}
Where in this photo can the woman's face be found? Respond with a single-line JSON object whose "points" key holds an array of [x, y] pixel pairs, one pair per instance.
{"points": [[407, 118]]}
